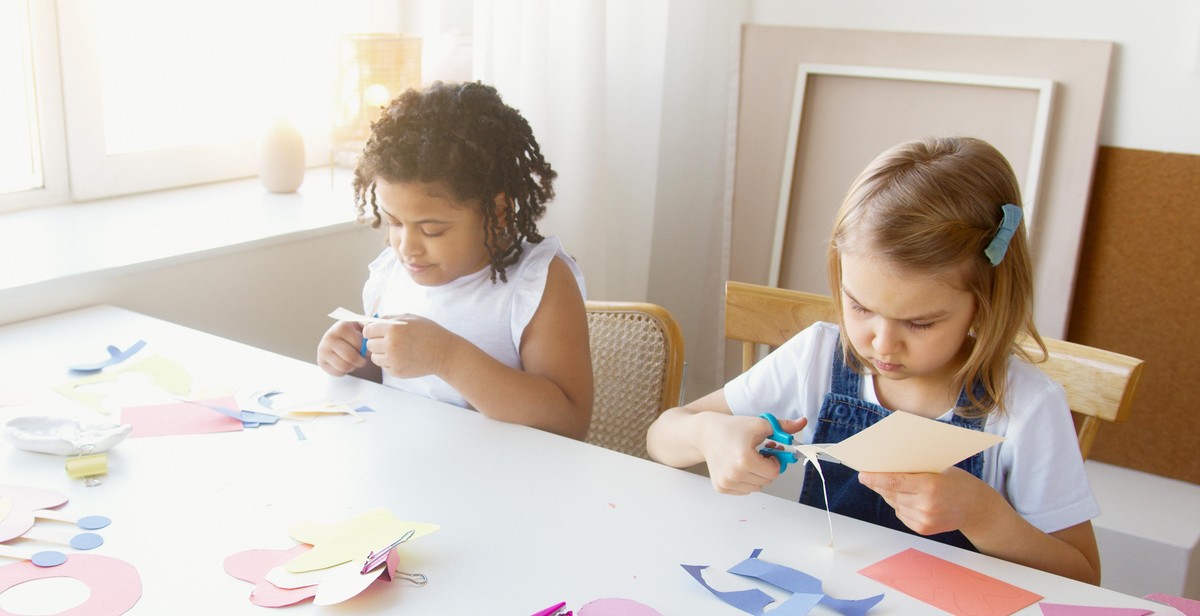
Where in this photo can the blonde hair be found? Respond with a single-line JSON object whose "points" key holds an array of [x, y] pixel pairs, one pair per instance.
{"points": [[931, 206]]}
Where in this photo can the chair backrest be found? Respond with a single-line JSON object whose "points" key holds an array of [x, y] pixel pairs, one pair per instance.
{"points": [[637, 367], [757, 315], [1100, 384]]}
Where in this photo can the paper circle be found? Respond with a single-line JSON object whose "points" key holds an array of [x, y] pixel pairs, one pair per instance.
{"points": [[87, 541], [93, 522], [617, 607], [48, 558], [114, 584]]}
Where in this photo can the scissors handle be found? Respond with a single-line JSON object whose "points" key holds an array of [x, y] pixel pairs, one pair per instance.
{"points": [[781, 437]]}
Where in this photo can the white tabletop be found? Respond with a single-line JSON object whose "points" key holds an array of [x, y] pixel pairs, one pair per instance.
{"points": [[527, 518]]}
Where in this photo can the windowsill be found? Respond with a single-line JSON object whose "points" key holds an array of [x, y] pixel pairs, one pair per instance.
{"points": [[124, 233]]}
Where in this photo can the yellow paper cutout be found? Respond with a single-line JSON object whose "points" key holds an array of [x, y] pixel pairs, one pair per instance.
{"points": [[164, 374], [351, 540]]}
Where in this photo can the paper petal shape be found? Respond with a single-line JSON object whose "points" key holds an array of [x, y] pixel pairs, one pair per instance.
{"points": [[252, 566], [352, 540], [22, 502]]}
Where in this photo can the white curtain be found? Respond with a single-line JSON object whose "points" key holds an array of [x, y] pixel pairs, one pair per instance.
{"points": [[587, 75], [631, 102]]}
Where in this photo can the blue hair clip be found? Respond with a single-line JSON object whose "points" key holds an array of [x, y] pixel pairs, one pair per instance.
{"points": [[998, 247]]}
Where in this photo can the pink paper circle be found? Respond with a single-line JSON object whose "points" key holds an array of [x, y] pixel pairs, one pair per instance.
{"points": [[114, 585], [617, 607]]}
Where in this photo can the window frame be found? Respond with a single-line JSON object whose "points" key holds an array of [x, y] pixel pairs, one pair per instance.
{"points": [[48, 97]]}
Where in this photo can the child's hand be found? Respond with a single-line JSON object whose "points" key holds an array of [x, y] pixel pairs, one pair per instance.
{"points": [[931, 503], [339, 351], [730, 445], [417, 347]]}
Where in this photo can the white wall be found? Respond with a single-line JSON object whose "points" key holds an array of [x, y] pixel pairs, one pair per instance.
{"points": [[1152, 103], [274, 297]]}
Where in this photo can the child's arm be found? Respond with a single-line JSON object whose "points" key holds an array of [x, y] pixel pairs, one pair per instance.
{"points": [[932, 503], [707, 431], [553, 392]]}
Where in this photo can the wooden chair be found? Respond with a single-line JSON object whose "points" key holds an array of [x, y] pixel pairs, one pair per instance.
{"points": [[637, 366], [1100, 384]]}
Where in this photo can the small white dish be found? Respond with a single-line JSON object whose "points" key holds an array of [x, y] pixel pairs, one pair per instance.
{"points": [[63, 437]]}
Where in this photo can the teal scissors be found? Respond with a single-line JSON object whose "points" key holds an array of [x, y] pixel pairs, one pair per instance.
{"points": [[786, 455]]}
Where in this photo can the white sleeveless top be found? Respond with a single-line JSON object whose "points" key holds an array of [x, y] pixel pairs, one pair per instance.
{"points": [[492, 316]]}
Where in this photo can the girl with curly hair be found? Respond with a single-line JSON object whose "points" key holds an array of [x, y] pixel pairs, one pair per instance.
{"points": [[489, 314]]}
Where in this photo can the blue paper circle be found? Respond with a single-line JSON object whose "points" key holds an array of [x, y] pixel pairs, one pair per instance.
{"points": [[49, 558], [86, 541], [93, 522]]}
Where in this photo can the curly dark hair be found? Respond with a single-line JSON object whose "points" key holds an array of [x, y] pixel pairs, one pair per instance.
{"points": [[464, 137]]}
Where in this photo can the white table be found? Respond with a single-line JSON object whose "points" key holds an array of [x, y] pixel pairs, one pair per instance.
{"points": [[527, 518]]}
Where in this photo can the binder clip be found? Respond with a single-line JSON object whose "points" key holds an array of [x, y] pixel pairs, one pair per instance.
{"points": [[87, 466]]}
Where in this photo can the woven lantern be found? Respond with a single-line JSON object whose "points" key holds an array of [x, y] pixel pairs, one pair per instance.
{"points": [[373, 69]]}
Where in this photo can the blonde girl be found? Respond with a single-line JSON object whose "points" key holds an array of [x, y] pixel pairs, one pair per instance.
{"points": [[930, 270]]}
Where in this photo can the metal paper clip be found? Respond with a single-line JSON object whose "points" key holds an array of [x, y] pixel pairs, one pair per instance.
{"points": [[417, 579], [374, 558]]}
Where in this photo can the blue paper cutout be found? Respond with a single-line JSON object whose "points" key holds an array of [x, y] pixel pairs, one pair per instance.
{"points": [[48, 558], [806, 590], [93, 522], [801, 583], [115, 356], [749, 601], [299, 433], [87, 541]]}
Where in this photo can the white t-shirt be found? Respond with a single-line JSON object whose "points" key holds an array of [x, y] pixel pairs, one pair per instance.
{"points": [[1037, 467], [492, 316]]}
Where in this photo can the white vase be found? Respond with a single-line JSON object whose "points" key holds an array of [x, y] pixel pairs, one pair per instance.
{"points": [[281, 158]]}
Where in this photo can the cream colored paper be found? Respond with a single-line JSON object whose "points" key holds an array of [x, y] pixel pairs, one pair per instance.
{"points": [[907, 443]]}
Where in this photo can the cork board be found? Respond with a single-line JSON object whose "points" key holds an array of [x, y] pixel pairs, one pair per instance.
{"points": [[1138, 293]]}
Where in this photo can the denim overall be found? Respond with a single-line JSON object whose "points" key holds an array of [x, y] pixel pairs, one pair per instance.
{"points": [[843, 414]]}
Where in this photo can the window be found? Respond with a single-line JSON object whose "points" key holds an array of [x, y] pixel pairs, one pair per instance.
{"points": [[161, 93]]}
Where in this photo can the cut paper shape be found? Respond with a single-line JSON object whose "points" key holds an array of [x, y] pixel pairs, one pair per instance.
{"points": [[1190, 607], [114, 585], [115, 356], [181, 418], [616, 607], [299, 433], [92, 522], [800, 583], [1058, 609], [343, 314], [21, 503], [750, 601], [351, 540], [63, 437], [905, 443], [161, 375], [48, 558], [253, 565], [950, 587], [87, 541], [333, 584], [308, 412]]}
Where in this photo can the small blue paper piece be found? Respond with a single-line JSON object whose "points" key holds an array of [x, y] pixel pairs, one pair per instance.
{"points": [[806, 590], [48, 558], [299, 434], [93, 522], [749, 601], [115, 356], [253, 419], [87, 541], [365, 409], [265, 399]]}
